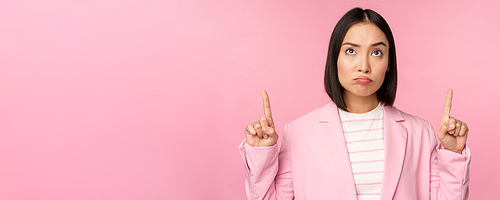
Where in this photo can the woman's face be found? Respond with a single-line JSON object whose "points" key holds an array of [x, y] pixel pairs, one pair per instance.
{"points": [[363, 60]]}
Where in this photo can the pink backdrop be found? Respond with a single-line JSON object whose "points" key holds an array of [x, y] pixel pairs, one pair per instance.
{"points": [[135, 99]]}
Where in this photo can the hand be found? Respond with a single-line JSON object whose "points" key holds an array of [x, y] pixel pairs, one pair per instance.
{"points": [[261, 133], [452, 132]]}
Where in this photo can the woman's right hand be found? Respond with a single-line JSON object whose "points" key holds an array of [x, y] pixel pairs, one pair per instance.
{"points": [[262, 133]]}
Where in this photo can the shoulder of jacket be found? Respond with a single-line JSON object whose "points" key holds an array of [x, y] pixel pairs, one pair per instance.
{"points": [[310, 117], [409, 118]]}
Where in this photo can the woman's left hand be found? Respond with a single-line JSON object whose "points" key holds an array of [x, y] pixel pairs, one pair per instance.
{"points": [[452, 132]]}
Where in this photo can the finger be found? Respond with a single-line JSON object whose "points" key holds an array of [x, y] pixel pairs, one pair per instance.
{"points": [[447, 106], [263, 123], [458, 127], [258, 128], [265, 127], [254, 126], [464, 129], [250, 130], [451, 125], [267, 108]]}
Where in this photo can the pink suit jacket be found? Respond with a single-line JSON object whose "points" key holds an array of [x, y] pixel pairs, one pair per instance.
{"points": [[313, 162]]}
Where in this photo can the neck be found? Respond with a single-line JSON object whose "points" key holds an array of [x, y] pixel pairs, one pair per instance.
{"points": [[358, 104]]}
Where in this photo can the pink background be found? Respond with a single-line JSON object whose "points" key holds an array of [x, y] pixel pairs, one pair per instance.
{"points": [[136, 99]]}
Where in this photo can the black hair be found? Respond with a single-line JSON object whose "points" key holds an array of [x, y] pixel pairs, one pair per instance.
{"points": [[387, 92]]}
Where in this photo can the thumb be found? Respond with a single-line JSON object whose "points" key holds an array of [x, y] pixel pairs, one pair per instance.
{"points": [[270, 133], [269, 130], [443, 130]]}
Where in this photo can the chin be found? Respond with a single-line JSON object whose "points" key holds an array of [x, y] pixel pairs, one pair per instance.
{"points": [[365, 92], [360, 93]]}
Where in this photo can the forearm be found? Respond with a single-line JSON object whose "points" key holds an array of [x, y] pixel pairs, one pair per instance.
{"points": [[450, 174], [264, 179]]}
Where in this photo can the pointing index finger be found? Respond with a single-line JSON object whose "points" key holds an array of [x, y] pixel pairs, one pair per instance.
{"points": [[447, 106], [267, 108]]}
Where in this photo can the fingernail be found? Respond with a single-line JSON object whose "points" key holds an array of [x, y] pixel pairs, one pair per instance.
{"points": [[452, 125], [266, 136]]}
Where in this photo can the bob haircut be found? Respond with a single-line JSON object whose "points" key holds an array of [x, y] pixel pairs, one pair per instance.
{"points": [[387, 92]]}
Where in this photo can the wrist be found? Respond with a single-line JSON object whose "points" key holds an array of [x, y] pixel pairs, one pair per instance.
{"points": [[455, 151], [441, 146], [459, 152]]}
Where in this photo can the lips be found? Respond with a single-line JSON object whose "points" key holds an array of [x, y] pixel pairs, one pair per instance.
{"points": [[363, 79]]}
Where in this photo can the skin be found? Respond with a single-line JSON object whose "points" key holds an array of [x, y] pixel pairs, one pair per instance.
{"points": [[364, 52], [452, 132], [261, 133]]}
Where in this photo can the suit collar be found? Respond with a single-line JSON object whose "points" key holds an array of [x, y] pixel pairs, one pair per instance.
{"points": [[330, 109], [393, 113], [331, 138], [395, 140], [332, 141]]}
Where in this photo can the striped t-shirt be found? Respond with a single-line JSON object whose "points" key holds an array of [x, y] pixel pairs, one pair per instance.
{"points": [[364, 138]]}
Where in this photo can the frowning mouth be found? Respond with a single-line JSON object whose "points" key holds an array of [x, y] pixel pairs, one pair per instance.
{"points": [[363, 79]]}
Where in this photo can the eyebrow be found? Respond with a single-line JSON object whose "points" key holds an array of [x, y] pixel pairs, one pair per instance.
{"points": [[357, 45]]}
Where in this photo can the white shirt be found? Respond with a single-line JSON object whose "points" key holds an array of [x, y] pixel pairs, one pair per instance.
{"points": [[364, 137]]}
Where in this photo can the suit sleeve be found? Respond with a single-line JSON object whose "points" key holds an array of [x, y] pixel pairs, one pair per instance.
{"points": [[449, 172], [268, 170]]}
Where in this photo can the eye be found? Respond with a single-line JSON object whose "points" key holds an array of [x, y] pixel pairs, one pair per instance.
{"points": [[350, 51], [377, 53]]}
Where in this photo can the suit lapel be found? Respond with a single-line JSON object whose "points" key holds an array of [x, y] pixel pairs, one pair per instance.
{"points": [[333, 143], [395, 139]]}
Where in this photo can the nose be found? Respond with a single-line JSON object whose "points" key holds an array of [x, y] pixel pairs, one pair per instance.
{"points": [[364, 67]]}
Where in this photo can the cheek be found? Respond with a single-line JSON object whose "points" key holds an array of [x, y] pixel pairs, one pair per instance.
{"points": [[342, 72], [380, 71], [344, 66]]}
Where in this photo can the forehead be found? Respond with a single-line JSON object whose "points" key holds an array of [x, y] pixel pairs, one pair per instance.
{"points": [[364, 33]]}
